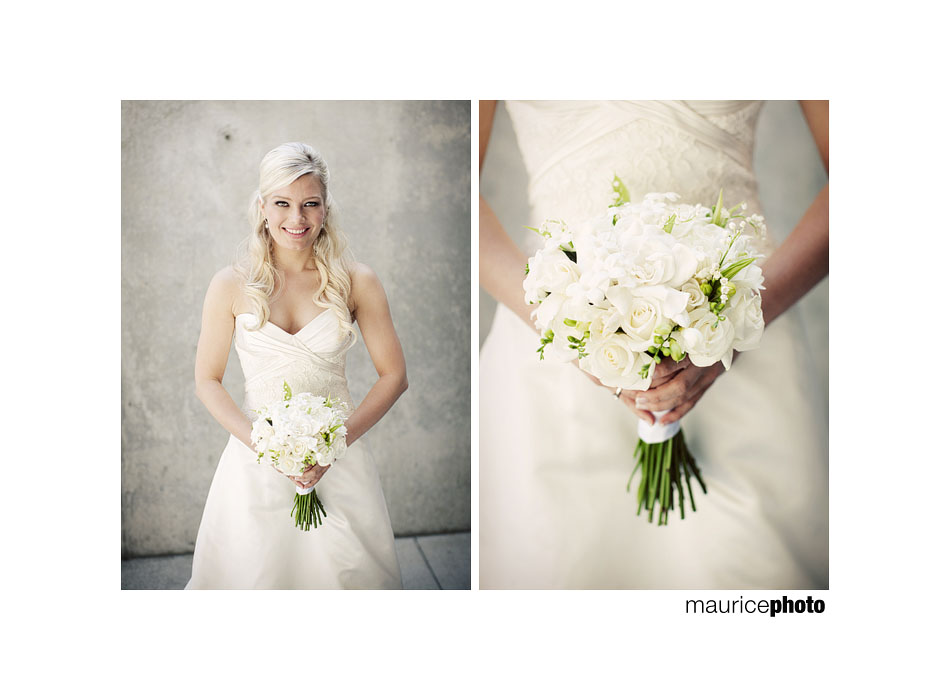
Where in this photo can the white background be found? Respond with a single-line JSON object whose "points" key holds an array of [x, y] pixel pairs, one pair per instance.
{"points": [[66, 69]]}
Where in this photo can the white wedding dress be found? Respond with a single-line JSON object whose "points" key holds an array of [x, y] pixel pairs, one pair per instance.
{"points": [[556, 450], [247, 538]]}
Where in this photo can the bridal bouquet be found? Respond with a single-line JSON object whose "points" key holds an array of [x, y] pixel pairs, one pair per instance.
{"points": [[297, 433], [642, 282]]}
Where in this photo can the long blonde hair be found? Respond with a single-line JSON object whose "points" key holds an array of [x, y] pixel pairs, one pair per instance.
{"points": [[279, 168]]}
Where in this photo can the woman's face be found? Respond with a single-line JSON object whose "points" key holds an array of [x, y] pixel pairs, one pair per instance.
{"points": [[295, 213]]}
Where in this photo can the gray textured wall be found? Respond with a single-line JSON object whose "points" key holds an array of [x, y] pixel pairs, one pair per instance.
{"points": [[790, 174], [400, 171]]}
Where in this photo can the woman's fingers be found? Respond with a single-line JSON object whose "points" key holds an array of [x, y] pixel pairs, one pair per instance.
{"points": [[312, 476], [692, 396], [629, 398], [678, 412], [668, 395]]}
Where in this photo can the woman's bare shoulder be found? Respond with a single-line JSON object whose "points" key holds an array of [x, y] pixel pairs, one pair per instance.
{"points": [[365, 286], [361, 274], [226, 288]]}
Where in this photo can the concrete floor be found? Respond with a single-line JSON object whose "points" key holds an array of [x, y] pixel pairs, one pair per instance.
{"points": [[438, 561]]}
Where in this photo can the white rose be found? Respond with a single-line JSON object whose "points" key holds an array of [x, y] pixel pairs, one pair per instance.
{"points": [[708, 340], [549, 271], [695, 295], [615, 362], [639, 303], [744, 311], [639, 315], [287, 464]]}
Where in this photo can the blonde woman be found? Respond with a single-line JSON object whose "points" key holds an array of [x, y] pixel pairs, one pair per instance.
{"points": [[290, 305]]}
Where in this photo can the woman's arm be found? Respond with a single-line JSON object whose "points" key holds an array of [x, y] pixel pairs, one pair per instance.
{"points": [[802, 259], [500, 262], [214, 344], [790, 272], [371, 311]]}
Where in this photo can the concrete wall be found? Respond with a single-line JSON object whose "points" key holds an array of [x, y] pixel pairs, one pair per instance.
{"points": [[400, 171], [789, 171]]}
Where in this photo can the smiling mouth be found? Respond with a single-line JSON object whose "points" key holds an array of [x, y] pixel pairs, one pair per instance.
{"points": [[296, 232]]}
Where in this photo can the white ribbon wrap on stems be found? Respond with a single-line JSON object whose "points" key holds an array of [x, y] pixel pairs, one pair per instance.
{"points": [[657, 433], [302, 491]]}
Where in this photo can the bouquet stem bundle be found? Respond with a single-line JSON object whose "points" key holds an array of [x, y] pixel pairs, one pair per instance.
{"points": [[307, 509], [664, 468]]}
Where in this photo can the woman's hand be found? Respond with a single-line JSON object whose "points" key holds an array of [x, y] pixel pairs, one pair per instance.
{"points": [[626, 396], [310, 477], [677, 387]]}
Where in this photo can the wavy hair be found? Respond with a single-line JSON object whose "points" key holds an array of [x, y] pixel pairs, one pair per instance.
{"points": [[279, 168]]}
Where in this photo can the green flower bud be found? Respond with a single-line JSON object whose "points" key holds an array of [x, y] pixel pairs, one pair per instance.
{"points": [[658, 340], [676, 351], [706, 288], [657, 358], [570, 323], [665, 351]]}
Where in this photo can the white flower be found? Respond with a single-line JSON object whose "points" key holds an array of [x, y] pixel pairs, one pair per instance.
{"points": [[694, 293], [745, 314], [338, 447], [549, 271], [299, 447], [615, 362], [708, 340], [643, 309], [660, 260], [288, 465], [749, 277], [580, 315]]}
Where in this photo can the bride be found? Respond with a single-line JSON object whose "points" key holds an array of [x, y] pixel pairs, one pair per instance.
{"points": [[556, 451], [290, 305]]}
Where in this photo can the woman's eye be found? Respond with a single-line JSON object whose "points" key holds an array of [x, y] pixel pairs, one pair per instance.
{"points": [[313, 203], [281, 203]]}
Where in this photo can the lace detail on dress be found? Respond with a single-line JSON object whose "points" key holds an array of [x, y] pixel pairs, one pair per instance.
{"points": [[301, 377], [739, 122], [313, 361], [573, 150]]}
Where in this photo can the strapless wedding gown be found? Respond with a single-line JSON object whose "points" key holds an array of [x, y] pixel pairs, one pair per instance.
{"points": [[247, 538], [556, 451]]}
